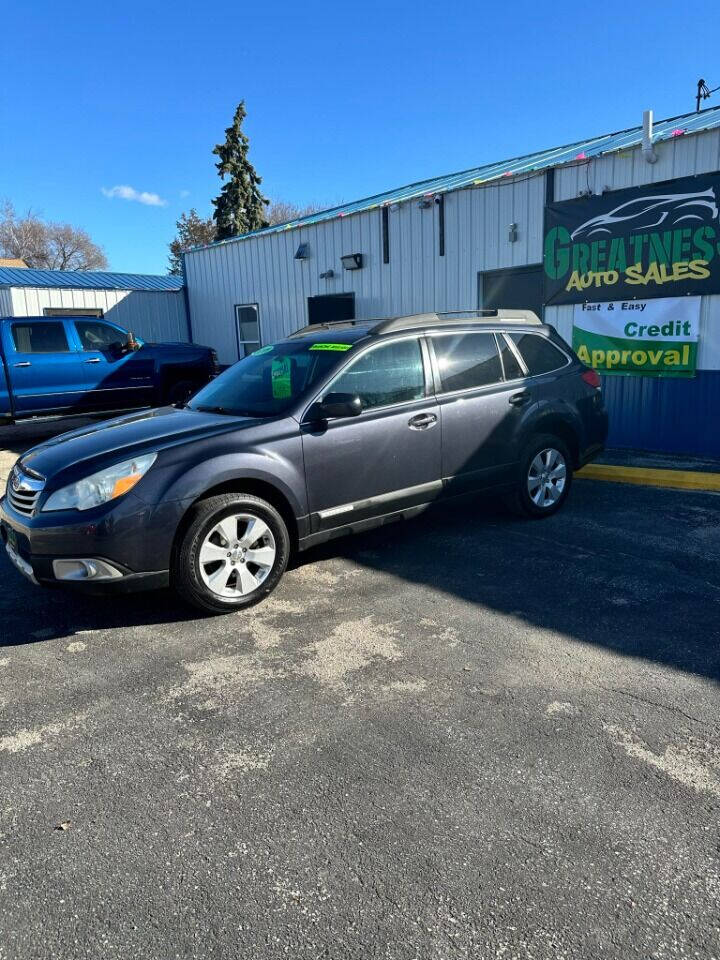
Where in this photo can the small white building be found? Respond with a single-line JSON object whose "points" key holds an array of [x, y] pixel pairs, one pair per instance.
{"points": [[153, 307]]}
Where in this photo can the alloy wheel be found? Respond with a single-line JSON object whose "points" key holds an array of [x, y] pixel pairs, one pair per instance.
{"points": [[237, 555], [547, 477]]}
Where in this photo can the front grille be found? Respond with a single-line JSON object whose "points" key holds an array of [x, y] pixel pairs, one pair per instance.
{"points": [[23, 491]]}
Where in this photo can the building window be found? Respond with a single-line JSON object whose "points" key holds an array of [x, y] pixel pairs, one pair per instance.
{"points": [[73, 312], [247, 326]]}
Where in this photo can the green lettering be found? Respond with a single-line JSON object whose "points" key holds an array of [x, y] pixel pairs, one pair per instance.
{"points": [[557, 255], [617, 259], [598, 255], [581, 258], [704, 250], [660, 247]]}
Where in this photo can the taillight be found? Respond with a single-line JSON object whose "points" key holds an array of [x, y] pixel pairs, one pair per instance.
{"points": [[592, 378]]}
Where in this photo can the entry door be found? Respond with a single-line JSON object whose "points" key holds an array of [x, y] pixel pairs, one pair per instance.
{"points": [[44, 366], [388, 457], [331, 308], [113, 379], [519, 288]]}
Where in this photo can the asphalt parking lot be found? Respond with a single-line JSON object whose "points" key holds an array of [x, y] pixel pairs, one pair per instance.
{"points": [[464, 736]]}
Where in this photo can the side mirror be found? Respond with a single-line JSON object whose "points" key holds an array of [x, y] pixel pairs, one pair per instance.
{"points": [[336, 405], [131, 344]]}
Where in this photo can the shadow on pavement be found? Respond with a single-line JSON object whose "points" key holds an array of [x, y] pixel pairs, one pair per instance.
{"points": [[629, 569]]}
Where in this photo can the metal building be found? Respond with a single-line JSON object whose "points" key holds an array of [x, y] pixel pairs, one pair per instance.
{"points": [[153, 307], [478, 239]]}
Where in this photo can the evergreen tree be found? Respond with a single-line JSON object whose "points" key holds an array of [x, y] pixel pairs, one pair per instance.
{"points": [[192, 231], [240, 206]]}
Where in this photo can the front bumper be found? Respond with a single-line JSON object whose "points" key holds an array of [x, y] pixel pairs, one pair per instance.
{"points": [[134, 538]]}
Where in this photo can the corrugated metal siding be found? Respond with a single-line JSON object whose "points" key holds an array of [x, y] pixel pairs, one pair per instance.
{"points": [[152, 316], [5, 302], [665, 415], [263, 269]]}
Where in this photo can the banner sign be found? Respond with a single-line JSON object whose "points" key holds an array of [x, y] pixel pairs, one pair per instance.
{"points": [[661, 240], [656, 338]]}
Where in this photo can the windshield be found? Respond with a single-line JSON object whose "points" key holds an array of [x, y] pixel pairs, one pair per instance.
{"points": [[269, 381]]}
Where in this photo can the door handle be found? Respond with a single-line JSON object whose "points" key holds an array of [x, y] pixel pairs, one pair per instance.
{"points": [[93, 360], [422, 421], [518, 399], [24, 363]]}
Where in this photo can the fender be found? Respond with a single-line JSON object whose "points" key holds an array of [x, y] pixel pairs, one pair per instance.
{"points": [[541, 416], [275, 470]]}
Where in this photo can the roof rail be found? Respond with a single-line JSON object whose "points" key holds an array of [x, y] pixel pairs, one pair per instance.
{"points": [[332, 325], [418, 320], [501, 315]]}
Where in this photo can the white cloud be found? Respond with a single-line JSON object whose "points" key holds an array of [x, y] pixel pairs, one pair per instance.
{"points": [[125, 192], [184, 193]]}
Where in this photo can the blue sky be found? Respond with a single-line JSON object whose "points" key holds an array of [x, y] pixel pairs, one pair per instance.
{"points": [[344, 99]]}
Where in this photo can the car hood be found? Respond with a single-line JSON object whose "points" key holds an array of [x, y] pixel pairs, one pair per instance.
{"points": [[111, 441]]}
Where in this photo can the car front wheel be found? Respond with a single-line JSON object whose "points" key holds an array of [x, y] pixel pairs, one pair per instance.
{"points": [[232, 554], [544, 478]]}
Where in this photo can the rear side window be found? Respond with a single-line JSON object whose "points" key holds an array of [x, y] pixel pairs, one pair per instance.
{"points": [[467, 360], [39, 338], [539, 354], [389, 374]]}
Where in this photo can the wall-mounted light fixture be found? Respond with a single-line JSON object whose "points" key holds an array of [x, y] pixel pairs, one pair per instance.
{"points": [[352, 261], [512, 232], [425, 203], [328, 275], [302, 252]]}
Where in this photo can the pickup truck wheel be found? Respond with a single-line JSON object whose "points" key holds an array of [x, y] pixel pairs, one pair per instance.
{"points": [[179, 392], [544, 478], [232, 554]]}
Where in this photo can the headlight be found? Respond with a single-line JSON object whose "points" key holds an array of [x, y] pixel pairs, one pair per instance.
{"points": [[101, 487]]}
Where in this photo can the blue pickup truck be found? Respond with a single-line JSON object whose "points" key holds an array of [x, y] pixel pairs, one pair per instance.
{"points": [[68, 365]]}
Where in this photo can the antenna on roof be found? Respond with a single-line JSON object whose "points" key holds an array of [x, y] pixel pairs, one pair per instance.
{"points": [[703, 92]]}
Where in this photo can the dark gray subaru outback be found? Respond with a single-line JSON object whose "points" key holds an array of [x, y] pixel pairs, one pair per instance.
{"points": [[336, 429]]}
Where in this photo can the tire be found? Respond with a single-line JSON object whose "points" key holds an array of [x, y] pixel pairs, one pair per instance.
{"points": [[538, 493], [179, 392], [211, 566]]}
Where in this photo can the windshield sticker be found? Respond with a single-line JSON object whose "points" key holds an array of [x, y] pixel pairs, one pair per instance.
{"points": [[258, 353], [280, 375], [331, 346]]}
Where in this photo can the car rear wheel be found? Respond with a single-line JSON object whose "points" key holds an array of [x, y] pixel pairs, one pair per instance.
{"points": [[544, 478], [233, 553]]}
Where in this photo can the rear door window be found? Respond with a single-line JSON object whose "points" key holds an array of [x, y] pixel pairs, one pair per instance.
{"points": [[40, 338], [467, 360], [539, 354]]}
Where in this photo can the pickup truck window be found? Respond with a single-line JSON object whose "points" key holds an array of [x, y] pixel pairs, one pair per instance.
{"points": [[97, 336], [40, 338]]}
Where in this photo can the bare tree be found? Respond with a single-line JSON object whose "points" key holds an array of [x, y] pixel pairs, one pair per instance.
{"points": [[281, 211], [192, 231], [47, 246]]}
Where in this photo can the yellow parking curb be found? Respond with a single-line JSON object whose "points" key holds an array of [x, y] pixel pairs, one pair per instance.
{"points": [[651, 477]]}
